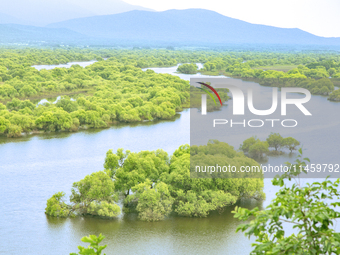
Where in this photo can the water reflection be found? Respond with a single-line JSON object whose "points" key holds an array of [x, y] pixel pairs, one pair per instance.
{"points": [[175, 235]]}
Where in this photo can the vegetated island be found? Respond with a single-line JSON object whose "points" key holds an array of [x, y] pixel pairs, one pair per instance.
{"points": [[154, 185]]}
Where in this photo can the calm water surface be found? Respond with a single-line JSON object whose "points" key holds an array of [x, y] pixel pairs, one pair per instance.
{"points": [[34, 168]]}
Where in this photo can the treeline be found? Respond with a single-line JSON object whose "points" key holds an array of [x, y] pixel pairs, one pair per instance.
{"points": [[155, 185], [316, 80], [315, 72], [256, 148]]}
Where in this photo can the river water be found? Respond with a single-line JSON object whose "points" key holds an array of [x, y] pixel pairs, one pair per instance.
{"points": [[33, 168]]}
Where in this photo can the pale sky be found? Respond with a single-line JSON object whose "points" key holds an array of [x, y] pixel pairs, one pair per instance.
{"points": [[319, 17]]}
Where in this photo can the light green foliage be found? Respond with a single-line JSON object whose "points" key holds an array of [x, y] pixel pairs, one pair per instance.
{"points": [[307, 208], [23, 121], [199, 205], [138, 167], [14, 131], [258, 149], [95, 195], [4, 124], [67, 104], [116, 90], [255, 148], [153, 203], [290, 143], [114, 161], [94, 248], [104, 209], [56, 207], [198, 196], [187, 68], [245, 146], [55, 120], [335, 95], [275, 140], [27, 91]]}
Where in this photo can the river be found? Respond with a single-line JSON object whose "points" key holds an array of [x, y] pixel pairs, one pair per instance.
{"points": [[33, 168]]}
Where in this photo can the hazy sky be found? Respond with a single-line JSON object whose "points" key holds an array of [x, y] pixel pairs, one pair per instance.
{"points": [[319, 17]]}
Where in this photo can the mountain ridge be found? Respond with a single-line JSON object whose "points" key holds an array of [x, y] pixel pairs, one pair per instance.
{"points": [[190, 25]]}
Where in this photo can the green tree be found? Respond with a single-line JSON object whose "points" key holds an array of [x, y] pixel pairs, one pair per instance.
{"points": [[56, 207], [245, 146], [258, 149], [2, 106], [14, 131], [153, 203], [4, 124], [113, 161], [27, 91], [67, 105], [275, 141], [140, 166], [290, 143], [14, 104], [95, 195]]}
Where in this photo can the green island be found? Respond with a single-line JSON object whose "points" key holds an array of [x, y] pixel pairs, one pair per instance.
{"points": [[155, 185]]}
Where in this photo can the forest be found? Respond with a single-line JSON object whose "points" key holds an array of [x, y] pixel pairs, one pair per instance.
{"points": [[116, 89]]}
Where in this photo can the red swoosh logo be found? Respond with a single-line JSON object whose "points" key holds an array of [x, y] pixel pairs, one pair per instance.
{"points": [[213, 90]]}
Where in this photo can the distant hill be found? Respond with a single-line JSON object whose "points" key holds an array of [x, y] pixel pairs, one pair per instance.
{"points": [[6, 19], [43, 12], [12, 33], [193, 26]]}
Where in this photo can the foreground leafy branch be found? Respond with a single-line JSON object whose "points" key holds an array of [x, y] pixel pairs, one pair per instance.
{"points": [[307, 208], [93, 248]]}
